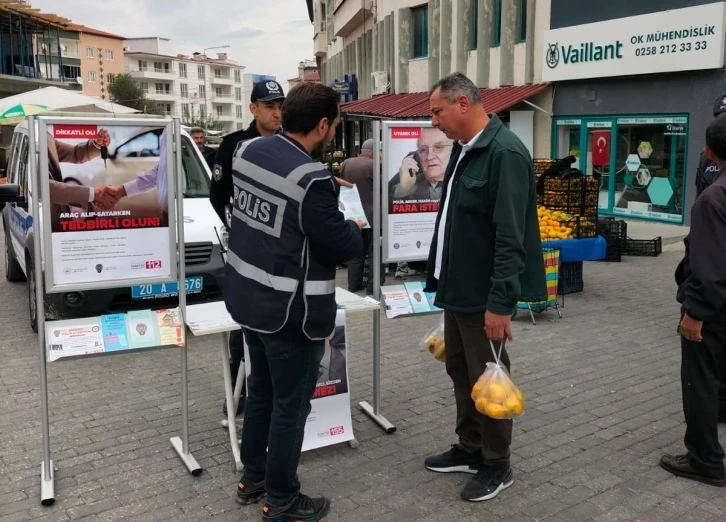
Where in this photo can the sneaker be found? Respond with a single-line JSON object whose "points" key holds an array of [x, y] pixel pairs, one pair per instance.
{"points": [[302, 509], [681, 467], [454, 461], [406, 271], [250, 492], [240, 406], [487, 483]]}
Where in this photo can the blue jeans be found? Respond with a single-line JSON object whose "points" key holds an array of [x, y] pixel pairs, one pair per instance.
{"points": [[280, 388]]}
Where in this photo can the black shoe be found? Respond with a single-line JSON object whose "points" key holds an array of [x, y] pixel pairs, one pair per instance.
{"points": [[302, 509], [250, 492], [680, 467], [454, 461], [487, 483], [240, 406]]}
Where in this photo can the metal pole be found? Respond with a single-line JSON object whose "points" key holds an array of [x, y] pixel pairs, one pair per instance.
{"points": [[46, 489], [374, 412], [177, 173]]}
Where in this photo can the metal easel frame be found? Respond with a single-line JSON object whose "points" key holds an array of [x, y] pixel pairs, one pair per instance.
{"points": [[176, 195], [374, 410]]}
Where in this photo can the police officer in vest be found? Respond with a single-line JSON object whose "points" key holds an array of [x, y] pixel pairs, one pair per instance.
{"points": [[286, 238], [707, 169], [266, 106]]}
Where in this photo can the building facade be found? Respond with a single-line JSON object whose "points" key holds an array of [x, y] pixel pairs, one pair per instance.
{"points": [[636, 85], [191, 87], [101, 59], [307, 72], [383, 55]]}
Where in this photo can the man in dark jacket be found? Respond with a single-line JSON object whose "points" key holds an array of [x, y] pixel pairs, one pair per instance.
{"points": [[707, 169], [265, 105], [702, 295], [485, 256], [199, 136]]}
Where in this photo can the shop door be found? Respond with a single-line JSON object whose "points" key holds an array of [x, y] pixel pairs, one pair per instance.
{"points": [[598, 141]]}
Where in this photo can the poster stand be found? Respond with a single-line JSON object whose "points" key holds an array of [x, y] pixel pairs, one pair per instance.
{"points": [[374, 410], [40, 184]]}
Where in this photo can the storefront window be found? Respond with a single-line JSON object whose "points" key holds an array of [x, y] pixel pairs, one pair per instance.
{"points": [[640, 161], [651, 155]]}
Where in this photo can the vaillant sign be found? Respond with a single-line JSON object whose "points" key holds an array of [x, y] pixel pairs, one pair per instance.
{"points": [[677, 40]]}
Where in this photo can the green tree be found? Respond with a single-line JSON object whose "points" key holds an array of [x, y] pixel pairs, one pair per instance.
{"points": [[125, 91], [197, 119]]}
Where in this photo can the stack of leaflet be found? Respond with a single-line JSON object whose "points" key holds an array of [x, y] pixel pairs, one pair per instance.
{"points": [[408, 299]]}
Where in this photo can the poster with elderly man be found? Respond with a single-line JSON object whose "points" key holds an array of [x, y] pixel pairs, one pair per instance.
{"points": [[415, 157]]}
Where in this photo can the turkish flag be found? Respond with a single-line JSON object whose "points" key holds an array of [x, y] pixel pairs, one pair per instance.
{"points": [[601, 147]]}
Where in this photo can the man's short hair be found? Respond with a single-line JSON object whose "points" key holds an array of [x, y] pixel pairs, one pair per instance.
{"points": [[197, 130], [306, 105], [454, 85], [716, 138]]}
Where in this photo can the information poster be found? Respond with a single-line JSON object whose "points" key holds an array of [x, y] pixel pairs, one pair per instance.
{"points": [[73, 341], [114, 332], [141, 329], [171, 330], [414, 163], [350, 205], [330, 420], [408, 299], [109, 193]]}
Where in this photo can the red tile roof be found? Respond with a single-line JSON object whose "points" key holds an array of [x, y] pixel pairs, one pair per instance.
{"points": [[416, 105], [90, 30]]}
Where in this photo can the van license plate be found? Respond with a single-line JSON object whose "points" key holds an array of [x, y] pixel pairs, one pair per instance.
{"points": [[194, 285]]}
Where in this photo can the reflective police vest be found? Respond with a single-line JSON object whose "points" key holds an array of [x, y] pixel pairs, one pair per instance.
{"points": [[268, 259]]}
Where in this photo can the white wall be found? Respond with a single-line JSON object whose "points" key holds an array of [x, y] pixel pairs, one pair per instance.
{"points": [[541, 24], [418, 75]]}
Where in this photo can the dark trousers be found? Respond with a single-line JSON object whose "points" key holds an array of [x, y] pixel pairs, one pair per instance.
{"points": [[467, 354], [280, 388], [236, 354], [703, 379], [357, 266]]}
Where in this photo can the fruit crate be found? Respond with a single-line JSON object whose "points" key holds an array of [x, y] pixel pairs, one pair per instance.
{"points": [[644, 247], [615, 234], [571, 278], [541, 166], [582, 226], [574, 194]]}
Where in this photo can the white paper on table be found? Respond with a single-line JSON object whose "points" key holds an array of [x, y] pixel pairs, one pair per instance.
{"points": [[397, 303], [211, 323], [73, 340], [351, 206], [364, 302]]}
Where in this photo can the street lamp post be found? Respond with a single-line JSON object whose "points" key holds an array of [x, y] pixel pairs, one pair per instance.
{"points": [[204, 52]]}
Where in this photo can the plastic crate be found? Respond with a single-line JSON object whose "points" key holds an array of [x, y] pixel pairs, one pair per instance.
{"points": [[541, 166], [571, 278], [644, 247], [615, 234]]}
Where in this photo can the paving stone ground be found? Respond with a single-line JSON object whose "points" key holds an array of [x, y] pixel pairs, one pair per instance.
{"points": [[603, 404]]}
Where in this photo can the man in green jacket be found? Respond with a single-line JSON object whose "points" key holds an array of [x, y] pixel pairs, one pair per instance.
{"points": [[485, 256]]}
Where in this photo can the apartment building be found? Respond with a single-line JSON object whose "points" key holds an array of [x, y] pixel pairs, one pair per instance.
{"points": [[101, 59], [190, 87], [389, 52]]}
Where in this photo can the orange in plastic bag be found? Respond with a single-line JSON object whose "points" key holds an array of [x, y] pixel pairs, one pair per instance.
{"points": [[434, 341], [495, 394]]}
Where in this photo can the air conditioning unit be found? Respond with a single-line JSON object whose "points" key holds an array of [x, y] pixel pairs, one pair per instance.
{"points": [[127, 49], [379, 82], [64, 48]]}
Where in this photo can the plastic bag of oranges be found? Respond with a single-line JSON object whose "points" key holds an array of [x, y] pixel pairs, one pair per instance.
{"points": [[495, 394], [434, 341]]}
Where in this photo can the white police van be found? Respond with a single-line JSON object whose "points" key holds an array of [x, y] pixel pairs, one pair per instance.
{"points": [[204, 262]]}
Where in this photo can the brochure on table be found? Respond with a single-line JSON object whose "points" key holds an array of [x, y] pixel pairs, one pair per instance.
{"points": [[330, 420], [408, 299], [350, 205], [111, 221], [114, 333]]}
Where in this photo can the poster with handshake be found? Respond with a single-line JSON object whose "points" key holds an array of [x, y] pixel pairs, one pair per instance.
{"points": [[109, 191]]}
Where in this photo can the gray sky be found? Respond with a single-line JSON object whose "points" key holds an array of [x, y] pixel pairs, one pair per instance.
{"points": [[266, 36]]}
